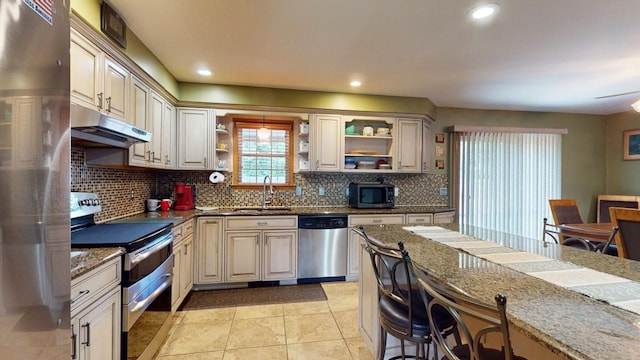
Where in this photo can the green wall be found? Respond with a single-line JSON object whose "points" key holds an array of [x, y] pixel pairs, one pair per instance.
{"points": [[623, 177], [583, 158], [258, 96]]}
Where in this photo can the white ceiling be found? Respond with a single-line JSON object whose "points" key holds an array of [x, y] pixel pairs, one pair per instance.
{"points": [[538, 55]]}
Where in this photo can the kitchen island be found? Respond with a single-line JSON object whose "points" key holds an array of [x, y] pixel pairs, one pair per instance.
{"points": [[546, 320]]}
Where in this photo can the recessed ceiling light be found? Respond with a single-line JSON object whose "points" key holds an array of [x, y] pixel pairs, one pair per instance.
{"points": [[356, 83], [484, 11], [204, 72]]}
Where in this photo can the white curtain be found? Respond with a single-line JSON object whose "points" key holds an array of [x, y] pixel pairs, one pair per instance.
{"points": [[505, 180]]}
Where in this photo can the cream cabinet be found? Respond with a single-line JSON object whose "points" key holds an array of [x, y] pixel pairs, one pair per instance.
{"points": [[409, 145], [419, 219], [139, 153], [426, 146], [444, 217], [368, 320], [169, 136], [353, 250], [260, 248], [209, 250], [97, 81], [95, 313], [182, 263], [196, 137], [325, 146]]}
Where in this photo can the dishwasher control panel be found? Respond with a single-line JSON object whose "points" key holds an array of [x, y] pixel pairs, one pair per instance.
{"points": [[322, 221]]}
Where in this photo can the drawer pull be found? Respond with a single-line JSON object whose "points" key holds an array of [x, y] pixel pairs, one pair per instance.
{"points": [[80, 294], [377, 221], [263, 223], [420, 220]]}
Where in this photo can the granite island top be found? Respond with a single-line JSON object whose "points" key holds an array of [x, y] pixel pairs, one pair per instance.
{"points": [[569, 324]]}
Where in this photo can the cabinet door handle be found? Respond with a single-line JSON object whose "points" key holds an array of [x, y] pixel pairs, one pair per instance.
{"points": [[317, 164], [88, 342], [153, 156], [100, 101], [80, 294], [74, 338], [186, 249], [166, 159], [109, 104], [211, 222]]}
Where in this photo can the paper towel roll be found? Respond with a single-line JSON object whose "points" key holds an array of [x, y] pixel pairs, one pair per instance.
{"points": [[216, 177]]}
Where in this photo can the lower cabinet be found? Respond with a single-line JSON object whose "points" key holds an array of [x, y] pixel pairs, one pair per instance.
{"points": [[353, 258], [255, 254], [261, 255], [182, 264], [208, 247], [95, 313], [444, 217], [368, 321]]}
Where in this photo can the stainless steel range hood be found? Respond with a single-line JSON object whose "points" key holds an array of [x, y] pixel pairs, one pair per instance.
{"points": [[89, 128]]}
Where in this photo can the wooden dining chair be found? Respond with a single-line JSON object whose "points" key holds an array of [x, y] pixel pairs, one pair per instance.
{"points": [[608, 201], [464, 309], [628, 237], [565, 211]]}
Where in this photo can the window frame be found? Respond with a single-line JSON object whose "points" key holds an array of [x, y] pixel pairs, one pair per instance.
{"points": [[271, 124]]}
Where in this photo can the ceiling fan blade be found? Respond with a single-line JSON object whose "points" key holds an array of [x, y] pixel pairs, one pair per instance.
{"points": [[621, 94]]}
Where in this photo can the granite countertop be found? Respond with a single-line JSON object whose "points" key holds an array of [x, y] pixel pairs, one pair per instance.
{"points": [[84, 260], [312, 210], [93, 257], [570, 324]]}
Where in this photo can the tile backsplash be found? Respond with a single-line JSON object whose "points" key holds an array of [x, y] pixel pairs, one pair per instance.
{"points": [[124, 191]]}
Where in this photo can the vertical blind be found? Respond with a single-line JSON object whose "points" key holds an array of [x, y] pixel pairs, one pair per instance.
{"points": [[505, 180]]}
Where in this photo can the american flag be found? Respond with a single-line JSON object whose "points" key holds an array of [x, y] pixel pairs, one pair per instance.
{"points": [[45, 5], [44, 8]]}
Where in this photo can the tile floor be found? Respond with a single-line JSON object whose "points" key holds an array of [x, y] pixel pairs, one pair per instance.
{"points": [[294, 331]]}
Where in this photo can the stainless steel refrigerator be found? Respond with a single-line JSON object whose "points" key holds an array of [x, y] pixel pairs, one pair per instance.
{"points": [[34, 179]]}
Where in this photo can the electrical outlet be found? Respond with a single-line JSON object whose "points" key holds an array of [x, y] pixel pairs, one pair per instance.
{"points": [[443, 191], [298, 191], [321, 191], [395, 191], [346, 191]]}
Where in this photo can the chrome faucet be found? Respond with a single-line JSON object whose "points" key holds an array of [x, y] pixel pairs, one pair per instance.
{"points": [[264, 191]]}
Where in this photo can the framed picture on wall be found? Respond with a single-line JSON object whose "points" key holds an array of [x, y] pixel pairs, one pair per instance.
{"points": [[631, 145]]}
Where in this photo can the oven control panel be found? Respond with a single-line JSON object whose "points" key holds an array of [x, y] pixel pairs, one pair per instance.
{"points": [[84, 203]]}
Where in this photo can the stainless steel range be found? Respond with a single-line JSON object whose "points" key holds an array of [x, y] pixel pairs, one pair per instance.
{"points": [[146, 274]]}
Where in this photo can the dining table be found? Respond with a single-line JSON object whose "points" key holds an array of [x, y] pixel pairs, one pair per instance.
{"points": [[570, 303], [591, 231]]}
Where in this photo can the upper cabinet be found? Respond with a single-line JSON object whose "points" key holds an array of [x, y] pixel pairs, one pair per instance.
{"points": [[196, 138], [366, 144], [409, 145], [325, 147], [97, 81]]}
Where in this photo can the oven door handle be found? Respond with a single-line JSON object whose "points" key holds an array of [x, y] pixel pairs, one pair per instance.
{"points": [[165, 284], [137, 258]]}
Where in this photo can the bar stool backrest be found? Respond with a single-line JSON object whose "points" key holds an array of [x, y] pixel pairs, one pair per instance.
{"points": [[492, 317]]}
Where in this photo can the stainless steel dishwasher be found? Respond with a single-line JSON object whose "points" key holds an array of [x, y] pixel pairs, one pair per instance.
{"points": [[322, 248]]}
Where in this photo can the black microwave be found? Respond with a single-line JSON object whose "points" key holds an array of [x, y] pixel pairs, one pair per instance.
{"points": [[371, 195]]}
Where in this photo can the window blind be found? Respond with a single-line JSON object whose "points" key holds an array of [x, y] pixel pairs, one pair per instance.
{"points": [[257, 158], [505, 180]]}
